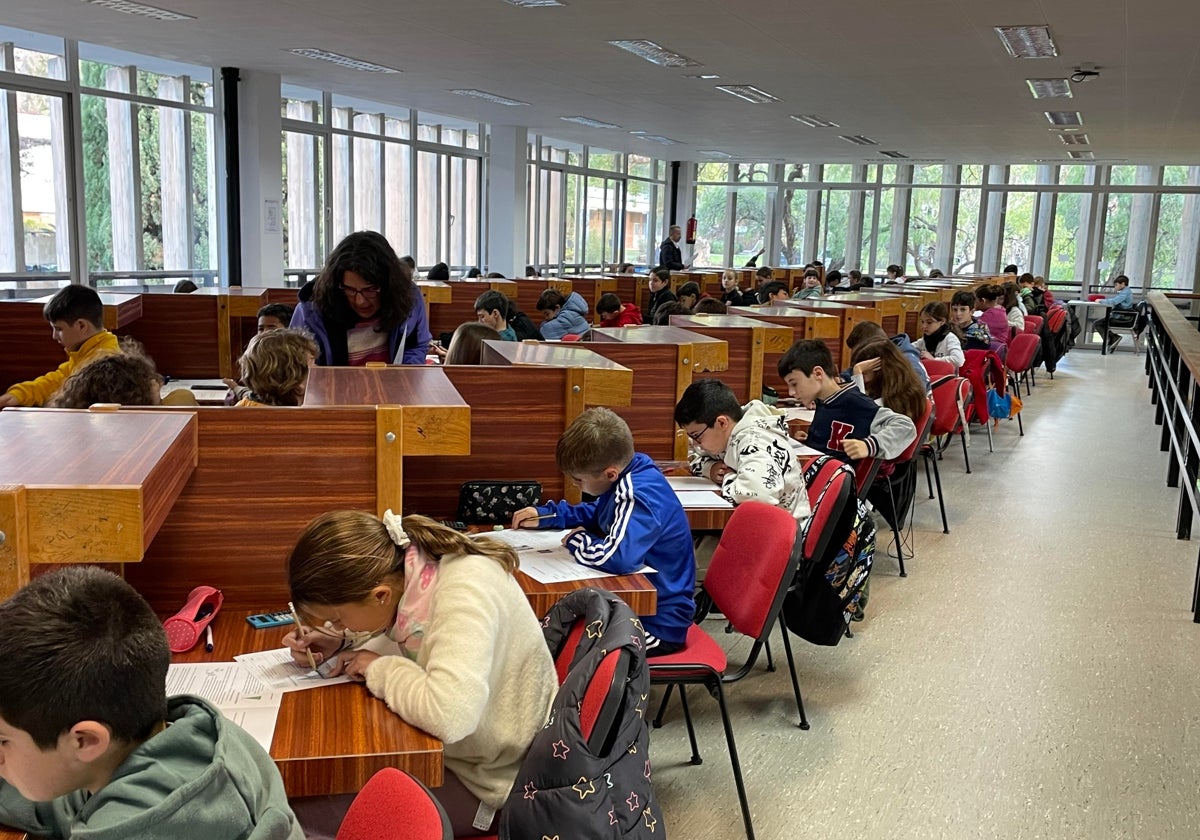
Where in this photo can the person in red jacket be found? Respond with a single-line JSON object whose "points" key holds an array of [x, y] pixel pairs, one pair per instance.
{"points": [[613, 313]]}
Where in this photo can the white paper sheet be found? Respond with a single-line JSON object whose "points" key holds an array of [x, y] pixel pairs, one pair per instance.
{"points": [[701, 499], [805, 414], [277, 670], [545, 559], [240, 696], [690, 482]]}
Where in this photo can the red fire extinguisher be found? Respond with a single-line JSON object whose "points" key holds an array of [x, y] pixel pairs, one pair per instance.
{"points": [[691, 231]]}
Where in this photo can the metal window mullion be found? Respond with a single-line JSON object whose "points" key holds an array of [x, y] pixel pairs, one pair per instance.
{"points": [[326, 122], [14, 144], [188, 179], [149, 101], [73, 137]]}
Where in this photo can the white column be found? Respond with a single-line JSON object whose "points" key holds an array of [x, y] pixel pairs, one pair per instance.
{"points": [[1189, 236], [943, 254], [507, 227], [686, 209], [992, 213], [123, 174], [173, 175], [1043, 226], [1143, 212], [901, 201], [260, 133]]}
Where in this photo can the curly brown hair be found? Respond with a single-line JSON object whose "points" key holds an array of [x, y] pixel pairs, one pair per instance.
{"points": [[369, 255], [125, 378], [275, 366]]}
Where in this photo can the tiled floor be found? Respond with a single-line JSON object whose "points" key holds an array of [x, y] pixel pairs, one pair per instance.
{"points": [[1037, 675]]}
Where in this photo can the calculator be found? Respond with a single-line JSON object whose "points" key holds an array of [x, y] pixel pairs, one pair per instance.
{"points": [[262, 621]]}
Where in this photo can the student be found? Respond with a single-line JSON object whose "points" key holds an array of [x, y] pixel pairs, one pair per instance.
{"points": [[976, 335], [1039, 285], [491, 308], [1011, 301], [184, 287], [635, 520], [613, 313], [711, 306], [471, 666], [473, 272], [935, 274], [660, 292], [775, 293], [625, 268], [810, 285], [662, 317], [1030, 303], [689, 294], [865, 331], [125, 378], [895, 274], [521, 323], [747, 450], [940, 338], [993, 316], [763, 276], [753, 261], [562, 315], [1012, 269], [275, 367], [364, 306], [411, 265], [494, 275], [440, 272], [76, 318], [1122, 300], [847, 424], [92, 747], [466, 345], [531, 271], [732, 294], [883, 373], [274, 316]]}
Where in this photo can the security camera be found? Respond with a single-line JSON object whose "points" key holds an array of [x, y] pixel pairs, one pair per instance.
{"points": [[1085, 72]]}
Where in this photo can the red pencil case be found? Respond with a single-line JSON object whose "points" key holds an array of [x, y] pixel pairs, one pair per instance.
{"points": [[185, 627]]}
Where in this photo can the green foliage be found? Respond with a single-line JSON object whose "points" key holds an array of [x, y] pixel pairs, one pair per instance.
{"points": [[97, 201]]}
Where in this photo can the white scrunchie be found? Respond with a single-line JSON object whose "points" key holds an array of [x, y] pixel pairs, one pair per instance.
{"points": [[395, 530]]}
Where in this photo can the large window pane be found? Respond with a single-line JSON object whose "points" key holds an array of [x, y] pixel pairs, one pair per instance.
{"points": [[835, 221], [966, 226], [883, 238], [1017, 243], [922, 224], [1166, 241], [303, 200], [427, 209], [1065, 249], [1116, 235], [751, 210], [42, 212], [791, 231], [397, 185], [712, 223]]}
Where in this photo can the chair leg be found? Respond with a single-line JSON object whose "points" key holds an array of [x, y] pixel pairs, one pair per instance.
{"points": [[770, 661], [787, 648], [896, 531], [928, 478], [941, 502], [1033, 377], [687, 718], [966, 458], [733, 760], [662, 707]]}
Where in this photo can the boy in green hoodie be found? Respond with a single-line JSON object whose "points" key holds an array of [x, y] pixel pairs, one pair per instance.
{"points": [[90, 745]]}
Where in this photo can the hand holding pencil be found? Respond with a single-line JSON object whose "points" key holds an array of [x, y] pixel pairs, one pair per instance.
{"points": [[528, 517]]}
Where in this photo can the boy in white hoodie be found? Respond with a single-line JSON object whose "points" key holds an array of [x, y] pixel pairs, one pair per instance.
{"points": [[747, 450]]}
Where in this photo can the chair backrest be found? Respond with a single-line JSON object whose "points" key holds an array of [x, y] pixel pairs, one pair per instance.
{"points": [[1033, 324], [924, 422], [1021, 351], [373, 813], [947, 408], [562, 659], [828, 494], [1057, 319], [865, 471], [602, 702], [752, 566], [938, 367]]}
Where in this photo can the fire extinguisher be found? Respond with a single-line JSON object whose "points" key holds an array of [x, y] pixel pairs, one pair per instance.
{"points": [[691, 231]]}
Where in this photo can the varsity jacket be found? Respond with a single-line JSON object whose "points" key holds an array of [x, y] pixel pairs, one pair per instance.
{"points": [[638, 521], [765, 459], [563, 788], [407, 343], [852, 414]]}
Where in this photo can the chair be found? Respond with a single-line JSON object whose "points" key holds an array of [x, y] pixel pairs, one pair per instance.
{"points": [[907, 481], [1033, 324], [372, 814], [949, 397], [1125, 321], [866, 470], [1021, 354], [752, 567], [938, 367]]}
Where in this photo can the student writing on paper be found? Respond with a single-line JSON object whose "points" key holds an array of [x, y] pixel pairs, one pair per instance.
{"points": [[635, 520], [91, 746], [476, 671]]}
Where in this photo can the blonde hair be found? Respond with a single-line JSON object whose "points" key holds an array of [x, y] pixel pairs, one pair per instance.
{"points": [[344, 554], [596, 440], [275, 365], [466, 347]]}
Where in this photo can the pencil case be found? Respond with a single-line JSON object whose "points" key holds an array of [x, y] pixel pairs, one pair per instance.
{"points": [[186, 626], [494, 502]]}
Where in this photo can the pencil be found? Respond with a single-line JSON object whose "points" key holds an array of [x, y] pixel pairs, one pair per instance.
{"points": [[296, 618], [537, 518]]}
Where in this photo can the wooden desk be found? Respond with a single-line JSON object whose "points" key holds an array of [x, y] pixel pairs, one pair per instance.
{"points": [[435, 291], [103, 499], [27, 349], [591, 286], [187, 335], [706, 353], [436, 419], [633, 288], [604, 381], [828, 325], [446, 316], [891, 309], [332, 739], [748, 339], [120, 310], [635, 590], [912, 299]]}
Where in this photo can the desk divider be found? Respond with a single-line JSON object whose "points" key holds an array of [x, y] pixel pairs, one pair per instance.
{"points": [[14, 549]]}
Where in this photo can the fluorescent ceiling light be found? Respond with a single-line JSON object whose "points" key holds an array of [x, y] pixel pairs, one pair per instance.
{"points": [[813, 121], [131, 8], [859, 140], [1074, 139], [656, 54], [1049, 88], [1081, 155], [702, 76], [342, 60], [1064, 117], [894, 155], [535, 4], [1065, 129], [654, 138], [713, 153], [748, 92], [489, 97], [1027, 41], [589, 122]]}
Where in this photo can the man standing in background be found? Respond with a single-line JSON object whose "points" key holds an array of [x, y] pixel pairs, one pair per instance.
{"points": [[669, 255]]}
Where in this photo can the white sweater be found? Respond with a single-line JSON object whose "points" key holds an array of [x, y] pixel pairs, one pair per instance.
{"points": [[483, 680], [950, 349]]}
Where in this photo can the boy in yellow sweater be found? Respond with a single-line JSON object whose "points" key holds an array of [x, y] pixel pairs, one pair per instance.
{"points": [[76, 316]]}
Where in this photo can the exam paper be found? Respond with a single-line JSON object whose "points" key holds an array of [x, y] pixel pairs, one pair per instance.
{"points": [[278, 671], [701, 499], [690, 482], [241, 697], [544, 558]]}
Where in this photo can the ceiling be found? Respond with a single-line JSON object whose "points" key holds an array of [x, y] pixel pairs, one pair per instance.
{"points": [[928, 78]]}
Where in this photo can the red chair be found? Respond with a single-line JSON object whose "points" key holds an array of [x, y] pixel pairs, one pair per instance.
{"points": [[1021, 354], [751, 570], [906, 477], [950, 398], [570, 337], [938, 367], [373, 813], [1033, 324], [866, 470]]}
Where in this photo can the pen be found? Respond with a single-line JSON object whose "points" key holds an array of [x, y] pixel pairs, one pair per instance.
{"points": [[538, 518], [208, 640], [296, 618]]}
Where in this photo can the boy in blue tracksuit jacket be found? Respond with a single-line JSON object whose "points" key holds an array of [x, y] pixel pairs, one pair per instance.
{"points": [[635, 520]]}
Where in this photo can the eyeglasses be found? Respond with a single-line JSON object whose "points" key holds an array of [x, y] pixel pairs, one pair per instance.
{"points": [[695, 436], [366, 292]]}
